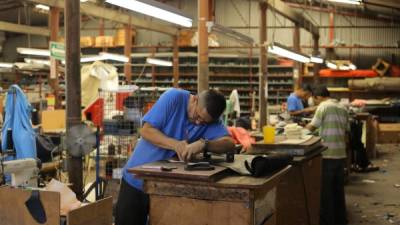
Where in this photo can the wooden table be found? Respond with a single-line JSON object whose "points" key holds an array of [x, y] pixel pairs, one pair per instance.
{"points": [[199, 199], [298, 192]]}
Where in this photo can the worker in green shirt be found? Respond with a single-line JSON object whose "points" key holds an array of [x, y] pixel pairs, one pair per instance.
{"points": [[332, 119]]}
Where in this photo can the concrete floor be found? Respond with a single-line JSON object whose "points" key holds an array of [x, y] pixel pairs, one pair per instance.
{"points": [[374, 198]]}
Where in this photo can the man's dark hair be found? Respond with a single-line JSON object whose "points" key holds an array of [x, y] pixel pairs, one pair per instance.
{"points": [[306, 87], [321, 91], [214, 102]]}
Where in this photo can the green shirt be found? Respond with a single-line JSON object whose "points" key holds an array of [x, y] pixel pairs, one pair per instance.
{"points": [[332, 119]]}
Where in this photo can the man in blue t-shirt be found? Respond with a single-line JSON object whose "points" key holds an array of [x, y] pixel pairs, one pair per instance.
{"points": [[295, 100], [179, 124]]}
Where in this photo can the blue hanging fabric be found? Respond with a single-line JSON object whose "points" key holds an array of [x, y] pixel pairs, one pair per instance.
{"points": [[18, 119]]}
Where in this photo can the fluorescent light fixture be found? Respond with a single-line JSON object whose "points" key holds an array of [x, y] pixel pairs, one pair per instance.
{"points": [[6, 65], [158, 62], [116, 57], [316, 59], [155, 9], [353, 2], [92, 58], [213, 27], [33, 51], [42, 7], [331, 65], [37, 61], [283, 51]]}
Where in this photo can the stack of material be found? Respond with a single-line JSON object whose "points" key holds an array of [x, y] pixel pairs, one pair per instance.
{"points": [[104, 41], [119, 39], [87, 41], [293, 131]]}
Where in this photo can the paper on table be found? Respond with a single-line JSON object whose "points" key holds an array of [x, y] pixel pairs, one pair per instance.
{"points": [[296, 141]]}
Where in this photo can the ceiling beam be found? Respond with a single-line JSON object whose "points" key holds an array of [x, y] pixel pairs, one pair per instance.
{"points": [[19, 28], [113, 15], [280, 7]]}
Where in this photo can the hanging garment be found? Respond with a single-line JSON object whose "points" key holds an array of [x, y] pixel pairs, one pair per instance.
{"points": [[18, 119]]}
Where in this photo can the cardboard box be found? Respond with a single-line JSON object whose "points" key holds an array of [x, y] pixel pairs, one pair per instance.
{"points": [[16, 213], [104, 41], [87, 41], [53, 121], [119, 39]]}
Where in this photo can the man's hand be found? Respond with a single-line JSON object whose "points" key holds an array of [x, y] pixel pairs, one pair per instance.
{"points": [[194, 149], [181, 150], [310, 109]]}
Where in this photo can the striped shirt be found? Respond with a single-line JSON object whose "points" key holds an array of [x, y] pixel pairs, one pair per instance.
{"points": [[332, 119]]}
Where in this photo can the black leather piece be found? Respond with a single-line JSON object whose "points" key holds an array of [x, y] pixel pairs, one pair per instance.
{"points": [[263, 165], [35, 207]]}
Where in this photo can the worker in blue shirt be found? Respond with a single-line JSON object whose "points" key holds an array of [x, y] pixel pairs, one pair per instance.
{"points": [[178, 125], [295, 100]]}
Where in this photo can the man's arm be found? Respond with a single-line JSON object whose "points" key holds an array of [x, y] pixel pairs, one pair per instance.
{"points": [[221, 145], [157, 138], [303, 111]]}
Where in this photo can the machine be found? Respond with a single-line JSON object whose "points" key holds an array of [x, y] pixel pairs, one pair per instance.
{"points": [[24, 172]]}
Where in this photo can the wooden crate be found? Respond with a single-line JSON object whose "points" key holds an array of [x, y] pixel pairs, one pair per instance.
{"points": [[119, 39], [104, 41], [87, 41], [14, 212], [388, 133]]}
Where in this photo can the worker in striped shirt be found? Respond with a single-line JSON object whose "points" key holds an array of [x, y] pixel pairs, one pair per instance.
{"points": [[332, 120]]}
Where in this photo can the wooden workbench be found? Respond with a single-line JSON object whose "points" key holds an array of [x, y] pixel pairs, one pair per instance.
{"points": [[298, 192], [230, 200]]}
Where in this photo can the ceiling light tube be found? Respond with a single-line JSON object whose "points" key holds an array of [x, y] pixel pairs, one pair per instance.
{"points": [[6, 65], [211, 26], [92, 58], [116, 57], [37, 61], [331, 65], [280, 50], [33, 51], [155, 9], [316, 59], [158, 62], [42, 7], [353, 2]]}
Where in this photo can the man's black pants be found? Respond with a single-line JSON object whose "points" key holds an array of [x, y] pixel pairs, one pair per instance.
{"points": [[333, 204], [132, 206]]}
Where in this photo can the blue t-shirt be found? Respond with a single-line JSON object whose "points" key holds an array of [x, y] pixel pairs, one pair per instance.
{"points": [[169, 115], [294, 103]]}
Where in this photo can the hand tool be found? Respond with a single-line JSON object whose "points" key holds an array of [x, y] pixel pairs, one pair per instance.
{"points": [[192, 166], [161, 168]]}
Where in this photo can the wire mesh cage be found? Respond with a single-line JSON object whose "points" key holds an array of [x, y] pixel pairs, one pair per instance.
{"points": [[120, 122]]}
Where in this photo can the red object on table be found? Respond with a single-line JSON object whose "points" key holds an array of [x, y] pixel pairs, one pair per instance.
{"points": [[347, 73]]}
